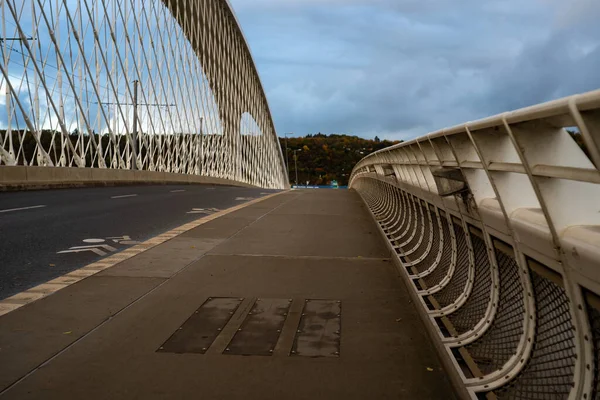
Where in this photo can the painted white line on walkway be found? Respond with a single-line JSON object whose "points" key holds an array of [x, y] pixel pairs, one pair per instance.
{"points": [[22, 208], [177, 191], [123, 196]]}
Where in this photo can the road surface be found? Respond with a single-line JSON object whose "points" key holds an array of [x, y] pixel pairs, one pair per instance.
{"points": [[88, 224]]}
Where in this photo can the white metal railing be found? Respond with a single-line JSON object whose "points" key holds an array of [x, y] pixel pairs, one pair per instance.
{"points": [[154, 85], [496, 226]]}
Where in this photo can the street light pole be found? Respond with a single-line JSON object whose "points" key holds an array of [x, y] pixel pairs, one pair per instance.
{"points": [[296, 164], [287, 156], [135, 122]]}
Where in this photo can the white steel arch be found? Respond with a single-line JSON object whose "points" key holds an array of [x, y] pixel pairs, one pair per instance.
{"points": [[133, 85]]}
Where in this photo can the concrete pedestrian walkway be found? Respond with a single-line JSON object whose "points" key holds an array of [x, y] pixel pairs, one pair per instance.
{"points": [[293, 297]]}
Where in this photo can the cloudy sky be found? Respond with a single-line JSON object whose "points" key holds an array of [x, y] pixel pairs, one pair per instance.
{"points": [[402, 68]]}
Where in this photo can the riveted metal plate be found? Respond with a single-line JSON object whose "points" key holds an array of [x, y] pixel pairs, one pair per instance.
{"points": [[201, 329], [320, 329], [260, 330]]}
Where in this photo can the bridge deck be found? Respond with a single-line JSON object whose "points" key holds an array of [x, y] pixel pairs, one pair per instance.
{"points": [[117, 334]]}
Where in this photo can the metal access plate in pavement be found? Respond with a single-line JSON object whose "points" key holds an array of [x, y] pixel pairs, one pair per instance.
{"points": [[319, 330], [202, 328], [261, 328]]}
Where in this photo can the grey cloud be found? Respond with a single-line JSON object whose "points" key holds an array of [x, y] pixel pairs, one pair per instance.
{"points": [[545, 71], [401, 68]]}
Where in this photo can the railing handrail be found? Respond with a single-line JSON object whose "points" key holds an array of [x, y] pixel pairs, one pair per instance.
{"points": [[583, 102], [520, 196]]}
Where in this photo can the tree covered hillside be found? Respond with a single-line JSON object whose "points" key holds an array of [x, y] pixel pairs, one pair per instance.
{"points": [[323, 158]]}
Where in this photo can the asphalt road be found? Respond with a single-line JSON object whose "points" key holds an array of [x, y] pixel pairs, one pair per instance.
{"points": [[36, 225]]}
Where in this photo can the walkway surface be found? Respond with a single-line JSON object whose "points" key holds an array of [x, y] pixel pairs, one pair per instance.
{"points": [[293, 297]]}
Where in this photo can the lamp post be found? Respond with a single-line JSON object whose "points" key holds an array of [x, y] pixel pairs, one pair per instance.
{"points": [[296, 164], [135, 122], [287, 157]]}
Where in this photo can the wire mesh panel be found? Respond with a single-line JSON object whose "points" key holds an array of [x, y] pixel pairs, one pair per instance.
{"points": [[500, 342], [466, 317], [378, 202], [390, 212], [549, 372], [456, 287], [411, 221], [441, 271], [424, 245], [593, 310], [421, 226], [404, 211], [428, 261]]}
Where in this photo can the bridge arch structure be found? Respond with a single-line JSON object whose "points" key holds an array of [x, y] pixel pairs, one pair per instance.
{"points": [[495, 225], [133, 89]]}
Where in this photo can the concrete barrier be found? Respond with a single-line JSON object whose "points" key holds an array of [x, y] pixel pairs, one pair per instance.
{"points": [[35, 178], [9, 175]]}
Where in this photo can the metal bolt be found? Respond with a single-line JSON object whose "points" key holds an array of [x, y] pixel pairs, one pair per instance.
{"points": [[181, 327], [270, 351], [293, 352], [218, 329], [239, 329], [161, 348], [278, 330], [298, 331], [204, 349], [226, 349]]}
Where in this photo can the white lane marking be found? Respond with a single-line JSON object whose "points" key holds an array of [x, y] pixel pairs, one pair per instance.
{"points": [[104, 246], [98, 248], [95, 249], [93, 240], [21, 208], [203, 210], [177, 191], [123, 196], [244, 198], [125, 239]]}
